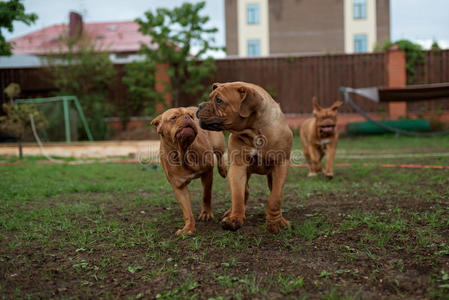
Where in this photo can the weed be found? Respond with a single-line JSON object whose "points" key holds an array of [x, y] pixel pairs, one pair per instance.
{"points": [[288, 284], [134, 269], [325, 274]]}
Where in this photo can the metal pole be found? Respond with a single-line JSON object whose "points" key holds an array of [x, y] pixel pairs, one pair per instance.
{"points": [[83, 119], [37, 100], [66, 120]]}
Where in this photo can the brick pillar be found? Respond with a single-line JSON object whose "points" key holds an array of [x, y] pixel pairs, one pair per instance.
{"points": [[161, 79], [397, 77]]}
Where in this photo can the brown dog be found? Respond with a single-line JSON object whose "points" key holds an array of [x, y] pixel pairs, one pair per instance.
{"points": [[187, 152], [319, 134], [260, 142]]}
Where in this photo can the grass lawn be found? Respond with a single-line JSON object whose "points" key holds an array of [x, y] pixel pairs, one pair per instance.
{"points": [[107, 230]]}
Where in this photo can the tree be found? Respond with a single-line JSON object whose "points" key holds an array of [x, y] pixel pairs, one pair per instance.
{"points": [[180, 38], [11, 11], [83, 69], [435, 47], [140, 80]]}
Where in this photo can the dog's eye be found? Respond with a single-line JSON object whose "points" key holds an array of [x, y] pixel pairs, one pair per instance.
{"points": [[218, 101], [173, 118]]}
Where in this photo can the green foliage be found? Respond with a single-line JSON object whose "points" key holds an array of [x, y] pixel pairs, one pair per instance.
{"points": [[288, 284], [11, 11], [435, 47], [17, 119], [12, 90], [413, 54], [82, 68], [180, 39], [141, 86]]}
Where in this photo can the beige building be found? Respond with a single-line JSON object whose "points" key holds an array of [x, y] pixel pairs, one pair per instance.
{"points": [[276, 27]]}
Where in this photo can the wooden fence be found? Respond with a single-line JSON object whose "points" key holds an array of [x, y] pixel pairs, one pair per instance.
{"points": [[434, 70], [34, 82], [291, 80]]}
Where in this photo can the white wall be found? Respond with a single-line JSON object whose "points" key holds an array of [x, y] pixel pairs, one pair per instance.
{"points": [[360, 26], [253, 31]]}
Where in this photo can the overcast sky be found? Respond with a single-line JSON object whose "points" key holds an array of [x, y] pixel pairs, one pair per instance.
{"points": [[418, 20]]}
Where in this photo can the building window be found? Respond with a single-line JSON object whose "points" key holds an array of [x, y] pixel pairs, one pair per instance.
{"points": [[253, 48], [360, 43], [359, 9], [252, 13]]}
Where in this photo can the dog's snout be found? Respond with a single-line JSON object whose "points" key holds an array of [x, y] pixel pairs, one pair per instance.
{"points": [[187, 117], [200, 107]]}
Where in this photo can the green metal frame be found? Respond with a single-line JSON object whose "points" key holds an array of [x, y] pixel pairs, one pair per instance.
{"points": [[65, 102]]}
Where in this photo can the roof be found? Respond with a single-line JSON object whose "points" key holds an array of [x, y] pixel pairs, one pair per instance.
{"points": [[20, 61], [116, 37], [17, 61]]}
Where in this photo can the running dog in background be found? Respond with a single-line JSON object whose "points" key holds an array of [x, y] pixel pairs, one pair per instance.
{"points": [[187, 152], [260, 142], [319, 134]]}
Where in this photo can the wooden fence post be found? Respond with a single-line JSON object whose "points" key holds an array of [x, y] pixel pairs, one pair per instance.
{"points": [[397, 77]]}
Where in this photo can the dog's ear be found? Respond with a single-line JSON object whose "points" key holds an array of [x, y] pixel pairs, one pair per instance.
{"points": [[215, 85], [336, 105], [157, 122], [249, 100], [316, 106]]}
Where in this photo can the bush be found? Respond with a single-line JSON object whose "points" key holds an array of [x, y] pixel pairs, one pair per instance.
{"points": [[17, 121]]}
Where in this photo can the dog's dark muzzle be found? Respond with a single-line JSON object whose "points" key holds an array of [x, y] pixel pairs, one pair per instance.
{"points": [[200, 107], [208, 121], [211, 126]]}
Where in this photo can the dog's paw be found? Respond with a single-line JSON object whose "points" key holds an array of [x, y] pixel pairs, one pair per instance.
{"points": [[232, 223], [227, 213], [312, 174], [275, 226], [329, 175], [205, 215], [186, 230]]}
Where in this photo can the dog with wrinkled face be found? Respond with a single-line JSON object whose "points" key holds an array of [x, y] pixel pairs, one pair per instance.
{"points": [[187, 152], [260, 142], [318, 135]]}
